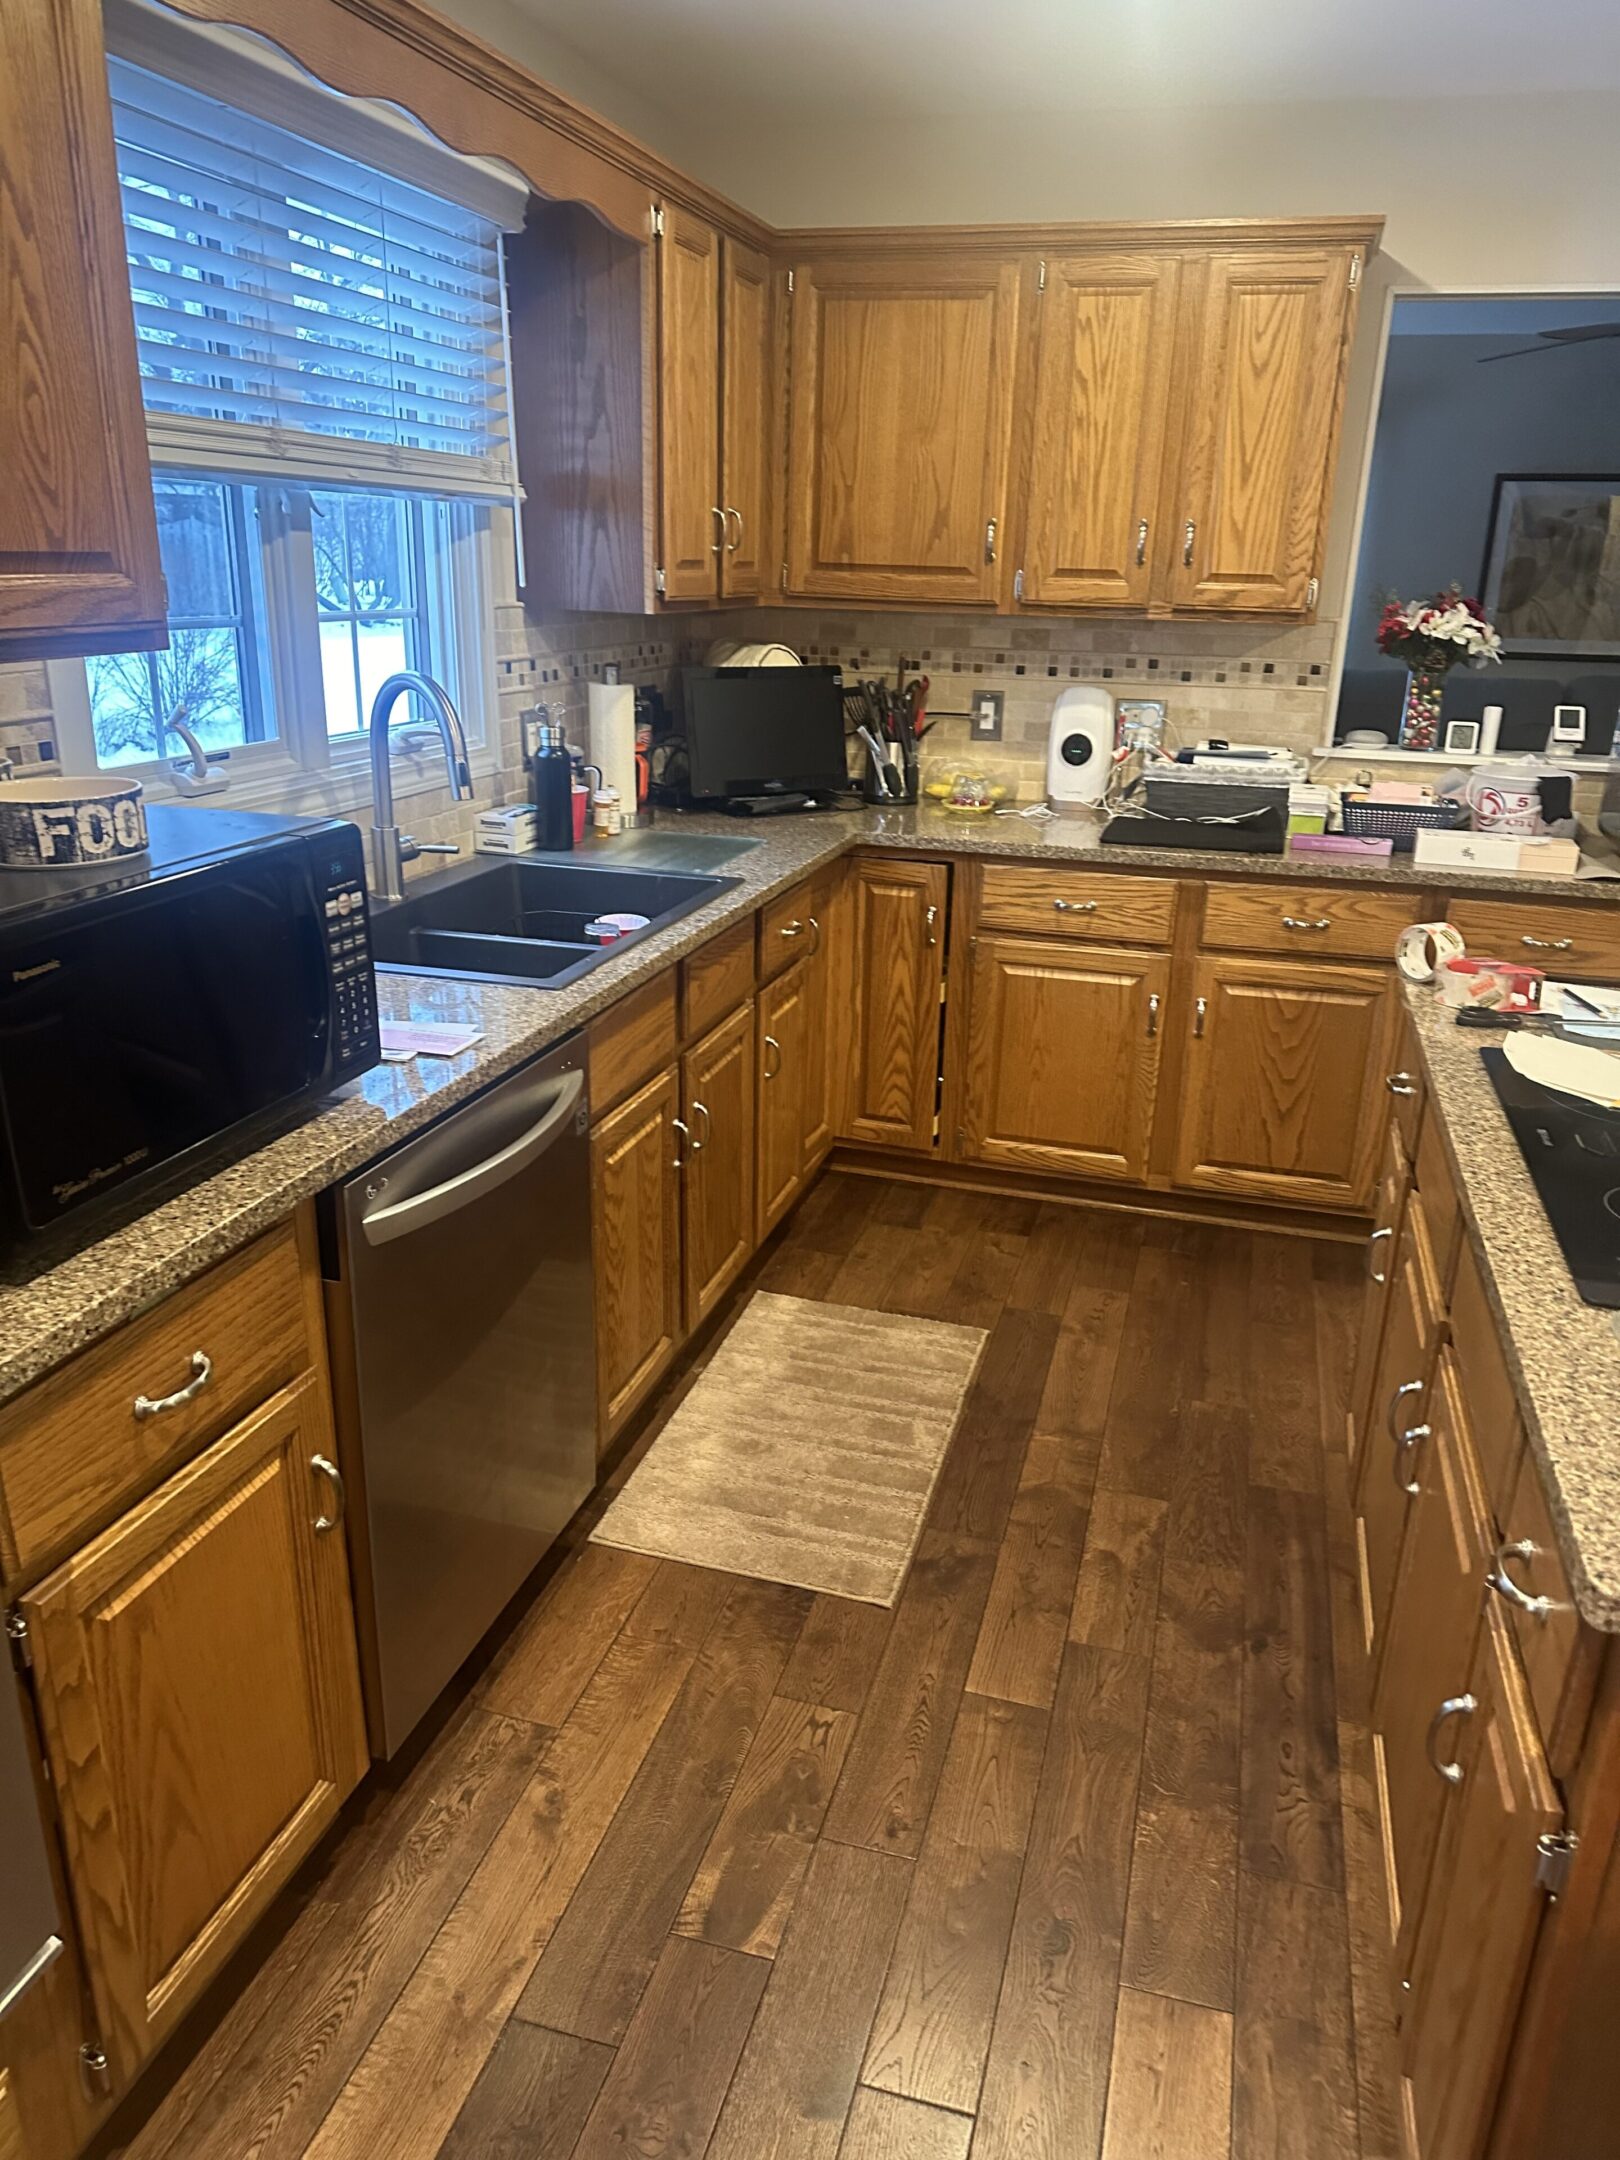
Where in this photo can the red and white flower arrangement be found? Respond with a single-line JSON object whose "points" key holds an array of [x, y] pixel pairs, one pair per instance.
{"points": [[1433, 635]]}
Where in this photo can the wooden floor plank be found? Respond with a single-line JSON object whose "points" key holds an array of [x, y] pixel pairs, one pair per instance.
{"points": [[1116, 1595], [411, 2083], [1281, 1344], [531, 2099], [882, 2127], [932, 2029], [544, 1667], [261, 2087], [1170, 2093], [1294, 2085], [668, 2080], [1290, 1810], [985, 1460], [1049, 1261], [1046, 2076], [749, 1877], [1026, 1619], [837, 1652], [796, 2079], [894, 1760], [593, 1970], [990, 1260], [1091, 1327]]}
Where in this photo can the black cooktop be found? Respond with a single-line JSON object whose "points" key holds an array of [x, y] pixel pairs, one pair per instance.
{"points": [[1573, 1153]]}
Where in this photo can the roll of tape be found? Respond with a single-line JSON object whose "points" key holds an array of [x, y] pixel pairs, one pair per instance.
{"points": [[1423, 948]]}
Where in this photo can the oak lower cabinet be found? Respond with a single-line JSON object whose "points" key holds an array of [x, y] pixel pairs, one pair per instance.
{"points": [[198, 1693], [1386, 1485], [1483, 1909], [1383, 1251], [1282, 1094], [717, 1176], [636, 1231], [1062, 1059], [792, 1086], [897, 933]]}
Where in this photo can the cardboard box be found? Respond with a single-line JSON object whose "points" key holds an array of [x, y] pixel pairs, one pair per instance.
{"points": [[1466, 850]]}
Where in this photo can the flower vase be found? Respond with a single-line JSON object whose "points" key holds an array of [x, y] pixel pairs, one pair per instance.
{"points": [[1420, 715]]}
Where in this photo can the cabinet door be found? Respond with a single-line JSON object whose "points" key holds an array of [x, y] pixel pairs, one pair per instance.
{"points": [[898, 947], [1062, 1058], [1280, 1097], [1387, 1485], [1264, 360], [745, 429], [785, 1061], [1429, 1639], [717, 1089], [1482, 1909], [1107, 329], [690, 526], [636, 1232], [1389, 1209], [200, 1699], [900, 426], [78, 534]]}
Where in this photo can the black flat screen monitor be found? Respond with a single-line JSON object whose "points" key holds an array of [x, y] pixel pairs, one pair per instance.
{"points": [[764, 731]]}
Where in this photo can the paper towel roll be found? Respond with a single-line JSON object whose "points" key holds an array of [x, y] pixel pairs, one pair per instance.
{"points": [[613, 738], [1423, 948]]}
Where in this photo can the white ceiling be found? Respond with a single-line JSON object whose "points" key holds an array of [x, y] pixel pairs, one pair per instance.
{"points": [[710, 61]]}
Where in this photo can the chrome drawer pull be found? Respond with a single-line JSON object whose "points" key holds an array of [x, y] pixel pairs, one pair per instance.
{"points": [[1400, 1083], [1373, 1244], [1301, 922], [795, 928], [326, 1468], [1547, 944], [1539, 1608], [684, 1157], [202, 1371], [1141, 541], [719, 516], [1189, 534], [1453, 1706], [1200, 1013], [771, 1071], [1153, 1015], [930, 917], [1408, 1440], [701, 1110], [1075, 907], [1407, 1387]]}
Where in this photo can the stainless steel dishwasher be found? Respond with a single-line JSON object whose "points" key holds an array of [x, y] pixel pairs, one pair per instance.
{"points": [[459, 1306]]}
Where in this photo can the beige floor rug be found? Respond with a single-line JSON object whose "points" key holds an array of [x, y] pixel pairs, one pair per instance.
{"points": [[806, 1451]]}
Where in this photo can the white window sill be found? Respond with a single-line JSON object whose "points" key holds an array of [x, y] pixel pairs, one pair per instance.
{"points": [[335, 791], [1391, 753]]}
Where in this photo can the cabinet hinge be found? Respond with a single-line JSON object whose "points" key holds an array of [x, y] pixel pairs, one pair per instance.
{"points": [[1313, 592], [657, 222], [1040, 283], [942, 989], [790, 281], [784, 573], [658, 581], [1555, 1854], [1018, 584], [22, 1648], [1355, 272]]}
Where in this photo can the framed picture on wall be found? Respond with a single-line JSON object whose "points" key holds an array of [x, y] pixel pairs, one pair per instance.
{"points": [[1551, 582]]}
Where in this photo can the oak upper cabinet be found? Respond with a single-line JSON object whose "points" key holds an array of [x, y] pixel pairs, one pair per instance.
{"points": [[1105, 339], [79, 563], [1062, 1058], [745, 418], [1264, 357], [691, 524], [717, 1090], [636, 1153], [1483, 1908], [1282, 1095], [198, 1692], [897, 946], [900, 425]]}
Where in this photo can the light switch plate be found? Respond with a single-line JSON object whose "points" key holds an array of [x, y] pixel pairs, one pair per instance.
{"points": [[986, 710]]}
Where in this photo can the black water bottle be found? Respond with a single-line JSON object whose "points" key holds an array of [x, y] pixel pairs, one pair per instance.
{"points": [[552, 773]]}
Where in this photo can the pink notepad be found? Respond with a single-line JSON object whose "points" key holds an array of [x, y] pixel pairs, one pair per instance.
{"points": [[402, 1039]]}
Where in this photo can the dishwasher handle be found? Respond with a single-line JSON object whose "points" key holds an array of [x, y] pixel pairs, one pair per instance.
{"points": [[469, 1185]]}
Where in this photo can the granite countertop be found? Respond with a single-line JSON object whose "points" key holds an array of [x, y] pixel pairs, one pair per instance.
{"points": [[1564, 1353], [44, 1320]]}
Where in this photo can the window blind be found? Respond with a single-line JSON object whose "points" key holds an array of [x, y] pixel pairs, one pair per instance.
{"points": [[289, 299]]}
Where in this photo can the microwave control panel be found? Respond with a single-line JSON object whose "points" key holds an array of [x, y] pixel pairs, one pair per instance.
{"points": [[357, 1042]]}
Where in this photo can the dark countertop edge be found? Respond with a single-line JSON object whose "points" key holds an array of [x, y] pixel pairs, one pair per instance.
{"points": [[1540, 1343], [117, 1277]]}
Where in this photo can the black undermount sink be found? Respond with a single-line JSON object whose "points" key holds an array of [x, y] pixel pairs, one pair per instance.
{"points": [[523, 921]]}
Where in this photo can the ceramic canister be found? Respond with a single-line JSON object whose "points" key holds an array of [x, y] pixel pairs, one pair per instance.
{"points": [[70, 824]]}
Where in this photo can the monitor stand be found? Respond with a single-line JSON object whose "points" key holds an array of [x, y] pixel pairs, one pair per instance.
{"points": [[767, 805]]}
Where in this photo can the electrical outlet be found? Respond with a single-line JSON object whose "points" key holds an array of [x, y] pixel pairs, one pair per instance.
{"points": [[610, 671], [987, 715]]}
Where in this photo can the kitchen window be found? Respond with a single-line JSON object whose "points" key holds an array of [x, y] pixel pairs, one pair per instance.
{"points": [[320, 320]]}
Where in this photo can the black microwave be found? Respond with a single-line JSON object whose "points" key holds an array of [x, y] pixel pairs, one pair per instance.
{"points": [[151, 1013]]}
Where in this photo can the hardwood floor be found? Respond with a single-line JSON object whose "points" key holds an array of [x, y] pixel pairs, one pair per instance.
{"points": [[1068, 1857]]}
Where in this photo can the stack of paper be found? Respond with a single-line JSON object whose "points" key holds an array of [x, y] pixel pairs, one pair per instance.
{"points": [[1571, 1068]]}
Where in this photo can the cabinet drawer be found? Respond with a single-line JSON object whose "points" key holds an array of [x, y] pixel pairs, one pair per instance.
{"points": [[1560, 1655], [1487, 1384], [1343, 921], [791, 926], [716, 980], [1562, 938], [83, 1444], [1053, 901], [631, 1041]]}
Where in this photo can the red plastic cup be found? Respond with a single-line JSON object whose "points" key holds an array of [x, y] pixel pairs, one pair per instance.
{"points": [[581, 806]]}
